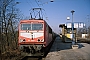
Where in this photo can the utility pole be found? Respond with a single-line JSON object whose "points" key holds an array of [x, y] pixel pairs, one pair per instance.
{"points": [[87, 23], [74, 46], [73, 40]]}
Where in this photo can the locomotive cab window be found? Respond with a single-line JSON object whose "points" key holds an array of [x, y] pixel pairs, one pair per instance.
{"points": [[31, 26], [37, 26], [25, 26]]}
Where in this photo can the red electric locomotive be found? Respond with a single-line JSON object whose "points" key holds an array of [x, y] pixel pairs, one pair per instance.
{"points": [[35, 36]]}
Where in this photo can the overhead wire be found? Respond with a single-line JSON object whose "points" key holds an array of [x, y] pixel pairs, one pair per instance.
{"points": [[44, 15], [31, 3], [37, 3], [28, 3]]}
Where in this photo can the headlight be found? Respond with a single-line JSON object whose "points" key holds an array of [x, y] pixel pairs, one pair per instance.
{"points": [[20, 40], [38, 40], [42, 40]]}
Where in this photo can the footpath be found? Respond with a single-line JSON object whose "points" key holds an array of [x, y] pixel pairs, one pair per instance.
{"points": [[63, 51]]}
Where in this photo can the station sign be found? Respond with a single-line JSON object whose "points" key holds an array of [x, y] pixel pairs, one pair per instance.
{"points": [[69, 25], [75, 25], [81, 24]]}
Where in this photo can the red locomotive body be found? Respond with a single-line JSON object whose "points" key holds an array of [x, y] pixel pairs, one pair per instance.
{"points": [[34, 36]]}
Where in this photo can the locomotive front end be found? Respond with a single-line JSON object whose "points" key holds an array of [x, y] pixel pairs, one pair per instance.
{"points": [[31, 36]]}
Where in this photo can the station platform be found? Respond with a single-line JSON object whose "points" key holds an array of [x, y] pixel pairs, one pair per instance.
{"points": [[64, 51]]}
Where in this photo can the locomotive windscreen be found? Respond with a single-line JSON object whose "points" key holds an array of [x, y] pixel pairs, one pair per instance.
{"points": [[32, 26]]}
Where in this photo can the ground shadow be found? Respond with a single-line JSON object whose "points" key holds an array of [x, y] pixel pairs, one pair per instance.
{"points": [[80, 45], [59, 45]]}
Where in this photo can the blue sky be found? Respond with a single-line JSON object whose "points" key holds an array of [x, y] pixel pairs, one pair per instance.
{"points": [[58, 10]]}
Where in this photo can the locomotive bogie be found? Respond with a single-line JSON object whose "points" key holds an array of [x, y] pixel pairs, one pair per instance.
{"points": [[31, 48]]}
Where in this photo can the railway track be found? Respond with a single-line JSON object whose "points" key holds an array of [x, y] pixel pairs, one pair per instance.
{"points": [[33, 58]]}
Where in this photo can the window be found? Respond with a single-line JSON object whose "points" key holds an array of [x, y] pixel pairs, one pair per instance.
{"points": [[25, 26], [31, 26], [37, 26]]}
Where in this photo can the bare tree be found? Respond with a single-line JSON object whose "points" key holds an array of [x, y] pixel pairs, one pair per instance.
{"points": [[10, 19], [89, 31], [82, 31]]}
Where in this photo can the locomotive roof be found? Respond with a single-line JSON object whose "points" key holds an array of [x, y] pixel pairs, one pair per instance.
{"points": [[32, 20]]}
